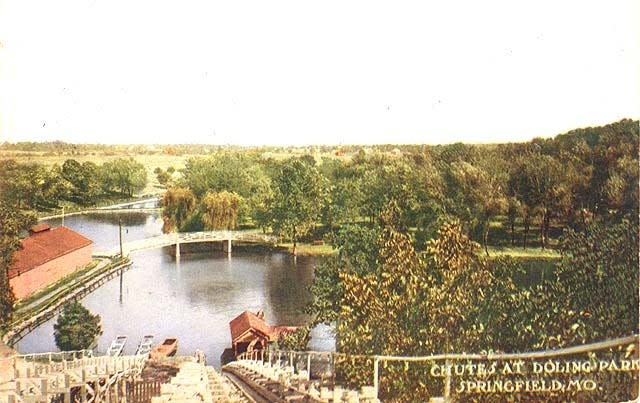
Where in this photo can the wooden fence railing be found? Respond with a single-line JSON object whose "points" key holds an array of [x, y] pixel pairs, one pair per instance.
{"points": [[293, 357], [142, 391]]}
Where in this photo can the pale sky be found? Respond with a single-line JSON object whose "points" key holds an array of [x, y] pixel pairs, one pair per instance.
{"points": [[324, 72]]}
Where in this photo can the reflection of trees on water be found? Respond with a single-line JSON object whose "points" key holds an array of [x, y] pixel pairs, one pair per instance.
{"points": [[249, 281], [287, 287], [129, 219], [102, 228], [204, 280]]}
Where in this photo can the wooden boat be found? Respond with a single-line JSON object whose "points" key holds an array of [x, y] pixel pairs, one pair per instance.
{"points": [[145, 345], [167, 348], [116, 347]]}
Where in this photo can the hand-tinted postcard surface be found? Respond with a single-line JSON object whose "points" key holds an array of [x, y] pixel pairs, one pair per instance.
{"points": [[270, 201]]}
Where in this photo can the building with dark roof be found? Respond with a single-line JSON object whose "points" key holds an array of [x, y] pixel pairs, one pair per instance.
{"points": [[47, 255]]}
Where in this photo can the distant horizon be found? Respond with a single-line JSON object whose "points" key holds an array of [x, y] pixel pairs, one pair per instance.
{"points": [[314, 144]]}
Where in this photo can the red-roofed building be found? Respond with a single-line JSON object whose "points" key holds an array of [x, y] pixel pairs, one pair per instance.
{"points": [[249, 332], [47, 255]]}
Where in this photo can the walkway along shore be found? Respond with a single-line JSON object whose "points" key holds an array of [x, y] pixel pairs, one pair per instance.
{"points": [[32, 316]]}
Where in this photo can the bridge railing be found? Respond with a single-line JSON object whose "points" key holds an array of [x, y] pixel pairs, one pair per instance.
{"points": [[325, 362], [177, 238]]}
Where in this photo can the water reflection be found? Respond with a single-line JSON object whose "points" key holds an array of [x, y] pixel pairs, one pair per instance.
{"points": [[103, 230]]}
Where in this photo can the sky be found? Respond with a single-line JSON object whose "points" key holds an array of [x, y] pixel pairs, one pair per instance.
{"points": [[323, 72]]}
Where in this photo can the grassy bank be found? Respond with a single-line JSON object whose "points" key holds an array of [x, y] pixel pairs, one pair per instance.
{"points": [[307, 249], [518, 252]]}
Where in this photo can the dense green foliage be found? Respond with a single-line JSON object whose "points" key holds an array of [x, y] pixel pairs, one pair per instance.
{"points": [[298, 197], [39, 188], [453, 300], [296, 340], [216, 192], [598, 277], [76, 328], [124, 175], [220, 210], [531, 190], [520, 194], [178, 204], [239, 173], [12, 222]]}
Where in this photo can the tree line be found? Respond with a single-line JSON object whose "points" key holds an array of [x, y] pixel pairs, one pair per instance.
{"points": [[534, 189], [32, 186]]}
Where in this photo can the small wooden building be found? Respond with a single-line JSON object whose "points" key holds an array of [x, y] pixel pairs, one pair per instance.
{"points": [[249, 332], [47, 255]]}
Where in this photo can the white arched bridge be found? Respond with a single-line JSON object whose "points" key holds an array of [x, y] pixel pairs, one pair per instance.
{"points": [[224, 237]]}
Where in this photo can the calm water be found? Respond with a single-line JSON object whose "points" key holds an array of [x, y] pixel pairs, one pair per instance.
{"points": [[102, 229], [193, 299]]}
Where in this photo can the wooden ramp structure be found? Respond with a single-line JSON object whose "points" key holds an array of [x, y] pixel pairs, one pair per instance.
{"points": [[63, 378], [78, 376]]}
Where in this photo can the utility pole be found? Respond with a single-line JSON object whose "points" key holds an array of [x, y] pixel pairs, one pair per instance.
{"points": [[120, 227], [63, 216], [121, 271], [121, 255]]}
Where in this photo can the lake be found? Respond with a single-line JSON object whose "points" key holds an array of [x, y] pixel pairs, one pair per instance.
{"points": [[192, 299]]}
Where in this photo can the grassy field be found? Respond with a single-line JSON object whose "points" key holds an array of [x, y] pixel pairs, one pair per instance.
{"points": [[519, 252]]}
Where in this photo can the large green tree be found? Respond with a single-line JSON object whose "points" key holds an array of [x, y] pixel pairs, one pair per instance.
{"points": [[299, 192], [411, 305], [598, 279], [358, 253], [122, 175], [345, 196], [20, 184], [476, 197], [76, 328], [83, 179], [538, 182]]}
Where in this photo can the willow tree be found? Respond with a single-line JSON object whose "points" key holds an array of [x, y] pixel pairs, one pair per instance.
{"points": [[177, 205], [220, 210]]}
